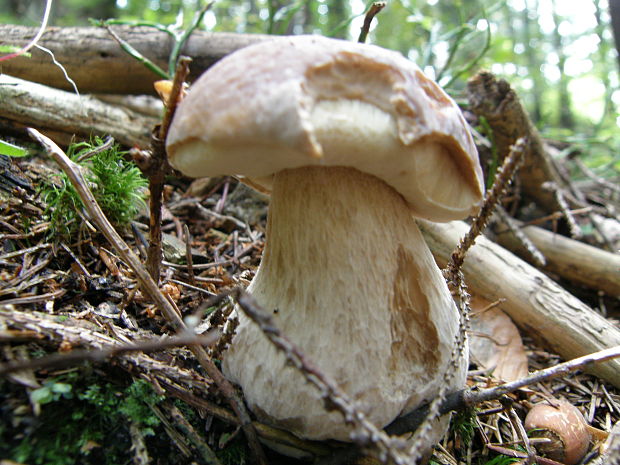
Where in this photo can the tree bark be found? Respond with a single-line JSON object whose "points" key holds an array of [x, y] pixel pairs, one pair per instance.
{"points": [[43, 107], [538, 305], [575, 261], [96, 62], [614, 12], [495, 100]]}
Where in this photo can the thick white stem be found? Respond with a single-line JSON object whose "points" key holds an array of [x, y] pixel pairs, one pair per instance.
{"points": [[350, 280]]}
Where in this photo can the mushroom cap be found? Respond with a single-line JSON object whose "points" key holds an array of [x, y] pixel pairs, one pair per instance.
{"points": [[565, 426], [309, 100]]}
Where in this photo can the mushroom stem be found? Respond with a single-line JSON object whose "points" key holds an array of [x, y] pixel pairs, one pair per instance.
{"points": [[350, 281]]}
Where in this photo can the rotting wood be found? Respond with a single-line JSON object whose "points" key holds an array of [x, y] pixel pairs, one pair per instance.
{"points": [[33, 104], [95, 61], [578, 262], [538, 305], [498, 103]]}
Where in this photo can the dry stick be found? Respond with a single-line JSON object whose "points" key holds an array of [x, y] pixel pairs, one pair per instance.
{"points": [[492, 198], [468, 398], [190, 433], [150, 287], [471, 397], [374, 9], [366, 433], [506, 220], [188, 256], [158, 168], [60, 360]]}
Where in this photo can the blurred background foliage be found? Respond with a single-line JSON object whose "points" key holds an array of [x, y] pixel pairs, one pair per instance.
{"points": [[558, 54]]}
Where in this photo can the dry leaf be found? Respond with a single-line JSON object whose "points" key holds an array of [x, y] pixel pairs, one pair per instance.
{"points": [[495, 342]]}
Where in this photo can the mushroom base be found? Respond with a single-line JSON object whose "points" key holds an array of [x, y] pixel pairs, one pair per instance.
{"points": [[348, 279]]}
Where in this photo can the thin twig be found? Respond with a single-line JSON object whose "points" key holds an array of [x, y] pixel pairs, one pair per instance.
{"points": [[493, 196], [155, 167], [108, 143], [150, 287], [535, 255], [75, 357], [575, 231], [35, 39], [374, 9], [467, 398], [456, 282], [190, 433], [188, 255]]}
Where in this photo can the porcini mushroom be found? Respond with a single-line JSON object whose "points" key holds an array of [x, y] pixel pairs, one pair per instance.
{"points": [[353, 141]]}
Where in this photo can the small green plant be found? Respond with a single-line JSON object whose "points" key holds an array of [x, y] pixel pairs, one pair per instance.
{"points": [[463, 424], [81, 420], [501, 460], [11, 150], [118, 187]]}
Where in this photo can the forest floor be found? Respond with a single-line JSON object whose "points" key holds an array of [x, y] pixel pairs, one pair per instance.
{"points": [[64, 294]]}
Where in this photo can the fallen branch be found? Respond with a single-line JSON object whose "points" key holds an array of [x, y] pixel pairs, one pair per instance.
{"points": [[75, 357], [536, 303], [498, 103], [97, 64], [36, 105], [580, 263], [80, 333]]}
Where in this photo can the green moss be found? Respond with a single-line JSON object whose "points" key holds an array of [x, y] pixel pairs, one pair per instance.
{"points": [[117, 184], [80, 421]]}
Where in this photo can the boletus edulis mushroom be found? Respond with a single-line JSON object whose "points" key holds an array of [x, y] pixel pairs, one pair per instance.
{"points": [[353, 141]]}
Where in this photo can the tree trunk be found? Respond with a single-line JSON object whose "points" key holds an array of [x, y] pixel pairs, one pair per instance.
{"points": [[614, 11], [495, 100], [565, 111], [533, 62]]}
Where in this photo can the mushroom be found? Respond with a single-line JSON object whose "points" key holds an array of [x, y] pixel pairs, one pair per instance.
{"points": [[565, 428], [353, 141]]}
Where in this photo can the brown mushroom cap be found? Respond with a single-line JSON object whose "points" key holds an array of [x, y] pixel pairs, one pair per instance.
{"points": [[565, 426], [314, 101]]}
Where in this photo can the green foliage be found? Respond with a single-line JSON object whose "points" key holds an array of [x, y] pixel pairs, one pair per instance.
{"points": [[51, 391], [11, 150], [501, 460], [81, 421], [118, 187], [463, 424], [235, 452]]}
